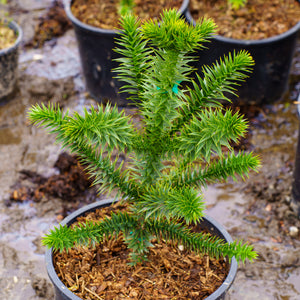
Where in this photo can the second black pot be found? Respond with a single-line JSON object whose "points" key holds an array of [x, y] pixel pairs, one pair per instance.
{"points": [[295, 195], [273, 59], [63, 293], [9, 65]]}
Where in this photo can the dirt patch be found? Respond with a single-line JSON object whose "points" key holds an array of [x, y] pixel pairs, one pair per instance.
{"points": [[42, 287], [52, 24], [259, 19], [71, 185]]}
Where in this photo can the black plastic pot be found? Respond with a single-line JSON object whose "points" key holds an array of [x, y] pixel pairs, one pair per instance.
{"points": [[273, 59], [97, 58], [63, 293], [295, 198], [9, 65]]}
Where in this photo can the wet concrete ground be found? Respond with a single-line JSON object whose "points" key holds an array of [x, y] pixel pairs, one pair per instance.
{"points": [[257, 210]]}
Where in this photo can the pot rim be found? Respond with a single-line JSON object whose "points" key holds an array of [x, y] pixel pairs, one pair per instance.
{"points": [[18, 30], [68, 220], [298, 106], [244, 42], [74, 20]]}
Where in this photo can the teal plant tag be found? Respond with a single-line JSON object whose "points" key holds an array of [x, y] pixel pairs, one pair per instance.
{"points": [[174, 88]]}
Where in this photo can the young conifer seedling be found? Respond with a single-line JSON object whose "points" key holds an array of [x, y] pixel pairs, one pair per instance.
{"points": [[183, 143]]}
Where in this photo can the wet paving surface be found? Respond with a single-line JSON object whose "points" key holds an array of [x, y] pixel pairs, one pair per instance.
{"points": [[256, 210]]}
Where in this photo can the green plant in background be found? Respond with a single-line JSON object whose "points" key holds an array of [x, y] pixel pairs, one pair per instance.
{"points": [[178, 150], [126, 7], [237, 4], [3, 13]]}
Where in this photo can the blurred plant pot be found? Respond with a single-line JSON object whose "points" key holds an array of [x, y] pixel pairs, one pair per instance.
{"points": [[9, 64], [97, 58], [208, 223], [273, 59], [295, 197]]}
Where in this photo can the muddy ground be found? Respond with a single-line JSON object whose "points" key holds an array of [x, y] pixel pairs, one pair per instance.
{"points": [[38, 180]]}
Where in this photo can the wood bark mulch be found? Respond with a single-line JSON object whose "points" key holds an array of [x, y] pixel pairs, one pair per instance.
{"points": [[259, 19], [171, 272]]}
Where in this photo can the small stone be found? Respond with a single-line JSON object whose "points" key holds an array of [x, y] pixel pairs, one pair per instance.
{"points": [[38, 57], [180, 247], [268, 207], [287, 199], [293, 231]]}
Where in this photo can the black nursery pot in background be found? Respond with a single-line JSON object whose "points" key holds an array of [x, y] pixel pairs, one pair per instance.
{"points": [[9, 65], [96, 55], [208, 223], [295, 197], [273, 59], [97, 58]]}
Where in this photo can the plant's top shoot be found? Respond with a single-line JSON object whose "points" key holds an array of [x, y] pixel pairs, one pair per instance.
{"points": [[237, 4], [126, 7], [183, 143]]}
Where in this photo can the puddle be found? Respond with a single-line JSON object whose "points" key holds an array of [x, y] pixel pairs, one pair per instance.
{"points": [[276, 274], [256, 210], [21, 261], [224, 204]]}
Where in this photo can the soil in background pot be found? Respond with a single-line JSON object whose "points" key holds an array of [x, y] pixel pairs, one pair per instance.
{"points": [[169, 272], [104, 13], [258, 19], [7, 36]]}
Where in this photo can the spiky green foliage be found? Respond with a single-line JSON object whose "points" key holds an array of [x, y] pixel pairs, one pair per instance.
{"points": [[134, 53], [133, 231], [182, 144]]}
